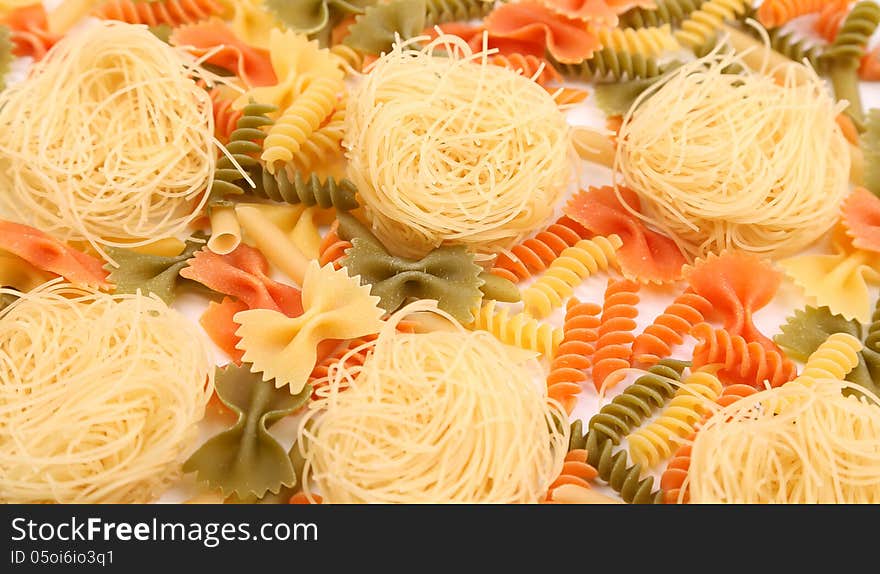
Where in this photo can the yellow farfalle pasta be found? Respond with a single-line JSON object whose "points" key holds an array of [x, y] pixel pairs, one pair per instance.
{"points": [[335, 306]]}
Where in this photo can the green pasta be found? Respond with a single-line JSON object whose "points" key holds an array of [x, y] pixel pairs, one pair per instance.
{"points": [[666, 12], [614, 468], [163, 32], [617, 99], [244, 142], [810, 327], [150, 273], [845, 53], [312, 191], [6, 56], [870, 140], [611, 64], [315, 17], [284, 493], [498, 288], [374, 31], [447, 275], [245, 460], [441, 11], [637, 402], [793, 47]]}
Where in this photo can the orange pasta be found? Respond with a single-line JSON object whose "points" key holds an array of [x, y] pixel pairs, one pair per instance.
{"points": [[225, 117], [572, 359], [29, 31], [48, 254], [831, 16], [218, 324], [575, 470], [534, 255], [668, 328], [741, 362], [870, 67], [614, 345], [171, 12], [528, 66], [251, 64], [774, 13], [332, 247]]}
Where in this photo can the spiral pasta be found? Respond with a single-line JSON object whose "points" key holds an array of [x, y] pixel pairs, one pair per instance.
{"points": [[614, 345], [573, 265], [775, 13], [225, 116], [572, 359], [171, 12], [663, 12], [331, 192], [518, 329], [741, 362], [668, 328], [636, 403], [293, 128], [440, 11], [852, 37], [834, 359], [332, 247], [831, 17], [692, 402], [611, 63], [575, 470], [673, 481], [645, 42], [704, 23], [535, 254], [790, 45], [351, 61], [323, 147], [245, 142]]}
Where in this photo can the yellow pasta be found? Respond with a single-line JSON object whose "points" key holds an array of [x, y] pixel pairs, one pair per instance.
{"points": [[704, 24], [642, 41], [278, 248], [518, 329], [658, 440], [573, 265], [834, 359], [17, 273], [593, 145], [335, 306], [305, 233], [225, 230]]}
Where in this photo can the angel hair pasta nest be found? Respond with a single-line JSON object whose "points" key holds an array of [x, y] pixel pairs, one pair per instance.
{"points": [[737, 160], [447, 148], [99, 395]]}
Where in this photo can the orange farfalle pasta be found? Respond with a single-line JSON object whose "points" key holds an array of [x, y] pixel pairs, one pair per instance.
{"points": [[218, 324], [775, 13], [572, 359], [475, 35], [596, 12], [575, 470], [861, 219], [251, 64], [243, 274], [534, 255], [48, 254], [29, 31], [528, 66], [172, 12], [741, 362], [736, 284], [645, 254], [567, 40], [831, 16], [614, 345], [668, 328]]}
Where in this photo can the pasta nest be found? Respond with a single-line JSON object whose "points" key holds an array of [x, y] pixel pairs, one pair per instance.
{"points": [[454, 150]]}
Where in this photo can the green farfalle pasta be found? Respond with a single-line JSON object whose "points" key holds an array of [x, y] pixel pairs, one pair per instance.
{"points": [[845, 53], [339, 194], [665, 12], [5, 54], [489, 286], [245, 460], [315, 17], [374, 31], [150, 273], [284, 493], [245, 143], [808, 328], [612, 64], [447, 275], [870, 141]]}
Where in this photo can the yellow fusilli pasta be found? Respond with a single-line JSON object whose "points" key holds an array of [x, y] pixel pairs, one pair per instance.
{"points": [[703, 24], [517, 329], [644, 41], [834, 358]]}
